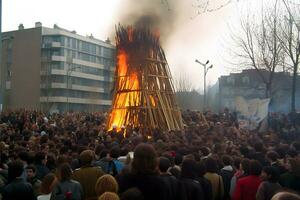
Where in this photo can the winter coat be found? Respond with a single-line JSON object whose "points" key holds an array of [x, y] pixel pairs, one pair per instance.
{"points": [[18, 189], [227, 173], [151, 186], [87, 176], [246, 188], [267, 190], [68, 189]]}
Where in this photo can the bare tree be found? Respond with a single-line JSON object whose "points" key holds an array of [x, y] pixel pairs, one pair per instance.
{"points": [[183, 84], [258, 46], [187, 96], [290, 40]]}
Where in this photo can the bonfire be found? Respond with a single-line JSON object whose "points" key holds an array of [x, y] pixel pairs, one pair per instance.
{"points": [[144, 95]]}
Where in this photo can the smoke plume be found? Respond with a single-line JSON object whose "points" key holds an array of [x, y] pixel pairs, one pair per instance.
{"points": [[160, 16]]}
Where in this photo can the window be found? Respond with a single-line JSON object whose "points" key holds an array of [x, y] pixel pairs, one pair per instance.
{"points": [[245, 80], [230, 80]]}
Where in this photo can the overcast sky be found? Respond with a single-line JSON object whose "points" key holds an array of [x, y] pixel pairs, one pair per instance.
{"points": [[200, 37]]}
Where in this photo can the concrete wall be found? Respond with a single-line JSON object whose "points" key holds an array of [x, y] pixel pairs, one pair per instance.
{"points": [[25, 69]]}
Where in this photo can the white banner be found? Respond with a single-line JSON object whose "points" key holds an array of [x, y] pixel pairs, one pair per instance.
{"points": [[251, 112]]}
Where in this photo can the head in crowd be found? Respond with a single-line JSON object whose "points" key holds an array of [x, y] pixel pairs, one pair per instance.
{"points": [[258, 147], [115, 152], [294, 166], [189, 169], [103, 153], [272, 156], [270, 174], [31, 171], [132, 194], [201, 169], [237, 162], [244, 151], [211, 165], [109, 196], [178, 159], [65, 172], [285, 196], [255, 168], [40, 158], [245, 166], [144, 160], [15, 169], [48, 183], [164, 164], [226, 160], [24, 156], [106, 183], [86, 157]]}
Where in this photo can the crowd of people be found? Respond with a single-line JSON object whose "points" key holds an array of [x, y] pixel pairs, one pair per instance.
{"points": [[72, 156]]}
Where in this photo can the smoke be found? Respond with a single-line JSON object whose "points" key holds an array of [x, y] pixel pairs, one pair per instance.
{"points": [[160, 16]]}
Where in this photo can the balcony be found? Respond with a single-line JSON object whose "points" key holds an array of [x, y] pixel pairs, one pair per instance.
{"points": [[61, 99]]}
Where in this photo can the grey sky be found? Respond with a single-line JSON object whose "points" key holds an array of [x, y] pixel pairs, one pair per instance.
{"points": [[196, 36]]}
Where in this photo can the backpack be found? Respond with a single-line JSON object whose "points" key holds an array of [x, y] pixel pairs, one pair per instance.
{"points": [[112, 168]]}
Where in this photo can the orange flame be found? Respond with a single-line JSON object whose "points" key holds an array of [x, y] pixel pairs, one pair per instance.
{"points": [[128, 96]]}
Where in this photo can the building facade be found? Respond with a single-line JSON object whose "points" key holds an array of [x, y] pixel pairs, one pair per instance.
{"points": [[249, 84], [53, 69]]}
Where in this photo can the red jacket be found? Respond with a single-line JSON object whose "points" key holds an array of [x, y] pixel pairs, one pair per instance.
{"points": [[246, 188]]}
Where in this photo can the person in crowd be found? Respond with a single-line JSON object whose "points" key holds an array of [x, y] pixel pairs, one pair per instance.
{"points": [[246, 187], [273, 159], [67, 188], [17, 189], [106, 183], [286, 196], [32, 179], [144, 175], [47, 186], [132, 194], [103, 161], [205, 184], [270, 185], [242, 172], [40, 161], [171, 181], [24, 157], [259, 154], [215, 179], [115, 166], [190, 188], [227, 173], [109, 196], [291, 179], [87, 175]]}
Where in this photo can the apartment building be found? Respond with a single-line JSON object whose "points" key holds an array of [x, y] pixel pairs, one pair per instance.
{"points": [[53, 69]]}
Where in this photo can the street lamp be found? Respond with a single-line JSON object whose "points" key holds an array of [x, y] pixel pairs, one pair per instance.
{"points": [[204, 80]]}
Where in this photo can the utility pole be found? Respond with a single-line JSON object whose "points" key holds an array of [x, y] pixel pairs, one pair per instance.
{"points": [[204, 79]]}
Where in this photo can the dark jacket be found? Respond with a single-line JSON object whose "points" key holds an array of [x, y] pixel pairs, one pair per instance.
{"points": [[172, 184], [41, 171], [69, 189], [151, 186], [190, 189], [281, 169], [289, 180], [206, 188], [266, 190], [227, 174], [18, 189]]}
